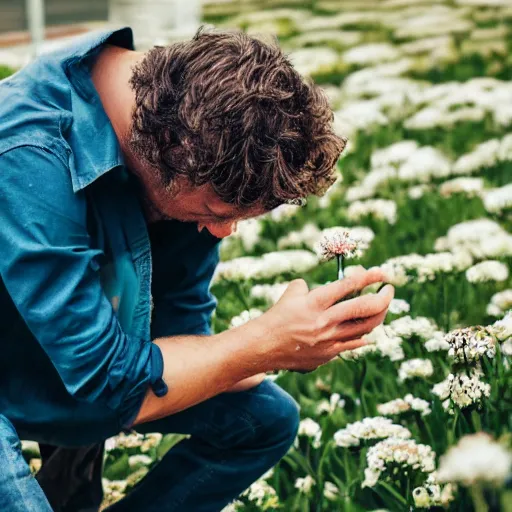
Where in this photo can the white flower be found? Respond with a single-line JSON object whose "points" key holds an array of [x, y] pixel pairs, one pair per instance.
{"points": [[433, 495], [404, 454], [248, 231], [469, 186], [132, 440], [484, 155], [329, 406], [394, 154], [462, 390], [437, 343], [304, 485], [270, 292], [379, 208], [259, 492], [235, 506], [386, 341], [476, 458], [490, 270], [114, 489], [417, 191], [368, 429], [308, 61], [381, 340], [424, 164], [482, 238], [331, 491], [269, 265], [151, 440], [408, 403], [310, 428], [308, 235], [337, 242], [427, 267], [373, 53], [282, 212], [498, 199], [370, 184], [502, 329], [500, 302], [244, 317], [139, 460], [361, 115], [399, 306], [470, 344], [411, 368], [506, 347], [407, 327]]}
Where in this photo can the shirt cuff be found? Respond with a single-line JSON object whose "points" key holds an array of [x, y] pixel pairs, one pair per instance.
{"points": [[156, 382]]}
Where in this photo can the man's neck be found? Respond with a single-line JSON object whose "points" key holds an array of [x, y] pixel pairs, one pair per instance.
{"points": [[110, 75]]}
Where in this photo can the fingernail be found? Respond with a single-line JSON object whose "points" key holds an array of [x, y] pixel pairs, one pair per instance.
{"points": [[384, 288]]}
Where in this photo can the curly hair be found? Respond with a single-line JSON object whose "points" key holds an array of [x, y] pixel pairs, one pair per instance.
{"points": [[228, 109]]}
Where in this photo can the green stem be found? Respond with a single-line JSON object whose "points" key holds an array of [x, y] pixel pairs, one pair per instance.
{"points": [[239, 292], [478, 498]]}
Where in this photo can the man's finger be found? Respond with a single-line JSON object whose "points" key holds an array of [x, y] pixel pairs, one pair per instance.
{"points": [[360, 307], [339, 347], [328, 294], [352, 330]]}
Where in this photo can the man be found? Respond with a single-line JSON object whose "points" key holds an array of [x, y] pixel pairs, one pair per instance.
{"points": [[120, 173]]}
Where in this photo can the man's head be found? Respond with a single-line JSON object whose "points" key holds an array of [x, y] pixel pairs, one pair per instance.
{"points": [[231, 127]]}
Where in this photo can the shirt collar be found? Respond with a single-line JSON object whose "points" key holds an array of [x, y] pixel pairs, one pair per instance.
{"points": [[94, 143]]}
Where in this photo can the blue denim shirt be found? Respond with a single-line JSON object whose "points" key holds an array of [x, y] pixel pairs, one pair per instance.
{"points": [[85, 283]]}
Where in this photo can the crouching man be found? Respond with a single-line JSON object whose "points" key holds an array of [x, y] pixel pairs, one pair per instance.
{"points": [[121, 171]]}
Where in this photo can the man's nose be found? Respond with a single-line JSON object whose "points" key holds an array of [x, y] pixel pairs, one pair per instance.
{"points": [[221, 230]]}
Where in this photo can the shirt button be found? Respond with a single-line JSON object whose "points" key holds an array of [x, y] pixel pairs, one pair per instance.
{"points": [[159, 387]]}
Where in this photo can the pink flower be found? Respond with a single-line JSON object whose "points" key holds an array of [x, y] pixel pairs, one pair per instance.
{"points": [[337, 242]]}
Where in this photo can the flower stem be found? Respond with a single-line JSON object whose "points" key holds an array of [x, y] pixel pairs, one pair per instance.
{"points": [[339, 258], [241, 295], [478, 498]]}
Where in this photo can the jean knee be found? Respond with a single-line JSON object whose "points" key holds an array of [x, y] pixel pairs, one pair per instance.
{"points": [[279, 415]]}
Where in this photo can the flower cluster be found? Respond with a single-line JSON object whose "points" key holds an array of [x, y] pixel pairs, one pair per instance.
{"points": [[433, 494], [403, 405], [482, 238], [244, 317], [489, 270], [462, 390], [476, 458], [500, 303], [405, 454], [470, 344], [412, 368], [368, 429], [311, 429], [337, 242], [267, 266]]}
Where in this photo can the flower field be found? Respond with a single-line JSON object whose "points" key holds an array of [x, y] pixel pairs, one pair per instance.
{"points": [[420, 418]]}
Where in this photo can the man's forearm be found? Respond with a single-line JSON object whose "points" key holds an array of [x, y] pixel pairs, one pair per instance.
{"points": [[199, 367]]}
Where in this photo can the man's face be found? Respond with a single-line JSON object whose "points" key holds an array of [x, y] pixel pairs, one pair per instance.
{"points": [[195, 204]]}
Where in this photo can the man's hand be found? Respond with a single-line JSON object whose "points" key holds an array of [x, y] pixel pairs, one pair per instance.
{"points": [[302, 331], [306, 329]]}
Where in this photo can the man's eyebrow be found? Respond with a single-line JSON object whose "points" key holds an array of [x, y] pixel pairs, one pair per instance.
{"points": [[220, 215]]}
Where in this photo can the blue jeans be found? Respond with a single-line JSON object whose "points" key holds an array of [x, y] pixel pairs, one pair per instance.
{"points": [[235, 438]]}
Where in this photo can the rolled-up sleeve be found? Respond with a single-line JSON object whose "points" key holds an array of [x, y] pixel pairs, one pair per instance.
{"points": [[51, 273]]}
